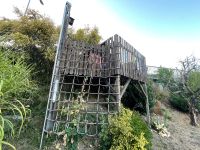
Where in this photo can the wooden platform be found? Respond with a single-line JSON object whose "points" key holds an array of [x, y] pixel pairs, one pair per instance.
{"points": [[113, 57]]}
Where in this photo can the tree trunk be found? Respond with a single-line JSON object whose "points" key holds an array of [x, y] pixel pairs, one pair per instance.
{"points": [[193, 114]]}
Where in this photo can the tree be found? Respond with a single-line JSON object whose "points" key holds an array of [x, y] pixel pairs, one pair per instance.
{"points": [[190, 85], [36, 36], [33, 35], [165, 76], [185, 92], [41, 2], [88, 35]]}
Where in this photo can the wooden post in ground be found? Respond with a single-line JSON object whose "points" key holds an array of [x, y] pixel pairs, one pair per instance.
{"points": [[116, 54], [117, 89], [147, 105], [144, 90]]}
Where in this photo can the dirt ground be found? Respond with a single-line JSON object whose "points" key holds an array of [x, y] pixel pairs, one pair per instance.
{"points": [[183, 136]]}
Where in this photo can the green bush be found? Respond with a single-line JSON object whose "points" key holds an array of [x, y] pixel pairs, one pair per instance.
{"points": [[34, 35], [15, 83], [16, 76], [139, 126], [151, 93], [125, 131], [179, 102], [165, 76]]}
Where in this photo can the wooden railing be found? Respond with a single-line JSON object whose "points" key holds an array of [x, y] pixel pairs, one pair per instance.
{"points": [[112, 57]]}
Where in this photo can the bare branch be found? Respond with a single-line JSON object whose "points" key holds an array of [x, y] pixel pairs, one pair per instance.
{"points": [[41, 2]]}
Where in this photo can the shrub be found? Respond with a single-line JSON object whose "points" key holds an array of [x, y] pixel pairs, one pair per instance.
{"points": [[161, 93], [139, 126], [15, 83], [179, 102], [151, 93], [125, 131], [16, 76], [165, 76], [35, 35], [13, 108]]}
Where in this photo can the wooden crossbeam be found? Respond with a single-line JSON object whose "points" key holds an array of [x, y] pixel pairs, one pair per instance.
{"points": [[144, 90], [125, 87]]}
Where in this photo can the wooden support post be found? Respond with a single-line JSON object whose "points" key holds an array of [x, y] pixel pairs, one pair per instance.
{"points": [[125, 87], [117, 69], [144, 90], [147, 105], [117, 89]]}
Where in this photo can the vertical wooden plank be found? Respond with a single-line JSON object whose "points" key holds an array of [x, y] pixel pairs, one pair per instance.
{"points": [[95, 59], [126, 58], [102, 71], [71, 60], [128, 72], [68, 55], [85, 60], [132, 62], [122, 58], [117, 51], [79, 58], [80, 55], [106, 60], [129, 61], [125, 48], [120, 54], [100, 60], [75, 59], [113, 56]]}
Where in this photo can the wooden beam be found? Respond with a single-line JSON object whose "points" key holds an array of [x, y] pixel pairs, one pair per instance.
{"points": [[117, 89], [144, 90], [125, 87]]}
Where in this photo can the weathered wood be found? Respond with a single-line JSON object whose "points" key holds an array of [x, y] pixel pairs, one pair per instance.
{"points": [[125, 87], [144, 90], [118, 94], [114, 56]]}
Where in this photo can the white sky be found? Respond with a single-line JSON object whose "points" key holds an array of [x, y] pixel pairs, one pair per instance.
{"points": [[158, 51]]}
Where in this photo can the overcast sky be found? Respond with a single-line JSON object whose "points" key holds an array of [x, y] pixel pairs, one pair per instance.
{"points": [[164, 31]]}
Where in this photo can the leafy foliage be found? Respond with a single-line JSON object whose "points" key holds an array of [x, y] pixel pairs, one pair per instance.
{"points": [[123, 132], [87, 35], [151, 93], [6, 126], [185, 91], [139, 126], [15, 82], [35, 35], [69, 134], [72, 137], [5, 122], [31, 40], [165, 76], [16, 76], [194, 81], [178, 101]]}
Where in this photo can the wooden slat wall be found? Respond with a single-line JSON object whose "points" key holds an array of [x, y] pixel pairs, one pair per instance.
{"points": [[114, 56]]}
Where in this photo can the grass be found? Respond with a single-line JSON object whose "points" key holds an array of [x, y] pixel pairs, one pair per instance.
{"points": [[31, 133]]}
